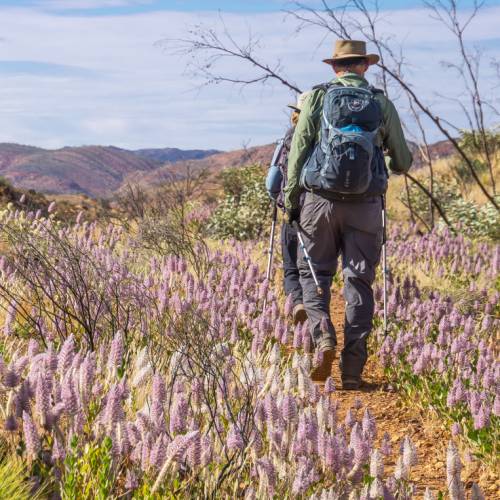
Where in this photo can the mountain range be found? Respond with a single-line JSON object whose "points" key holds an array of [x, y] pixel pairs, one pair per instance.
{"points": [[96, 171], [101, 171]]}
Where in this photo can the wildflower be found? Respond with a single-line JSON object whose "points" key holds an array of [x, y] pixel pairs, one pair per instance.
{"points": [[65, 356], [376, 464], [116, 352], [359, 445], [329, 386], [234, 439], [178, 415], [369, 426], [31, 437], [10, 424], [453, 471]]}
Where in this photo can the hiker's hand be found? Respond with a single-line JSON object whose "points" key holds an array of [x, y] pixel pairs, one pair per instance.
{"points": [[292, 214]]}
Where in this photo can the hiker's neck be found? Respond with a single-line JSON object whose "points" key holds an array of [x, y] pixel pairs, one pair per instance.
{"points": [[354, 71]]}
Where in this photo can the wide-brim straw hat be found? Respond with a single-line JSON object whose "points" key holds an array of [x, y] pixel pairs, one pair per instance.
{"points": [[300, 102], [349, 49]]}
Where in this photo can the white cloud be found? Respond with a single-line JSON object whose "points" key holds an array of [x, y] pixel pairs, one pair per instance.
{"points": [[139, 96]]}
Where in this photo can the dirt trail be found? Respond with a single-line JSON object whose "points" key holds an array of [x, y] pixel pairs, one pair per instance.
{"points": [[398, 418]]}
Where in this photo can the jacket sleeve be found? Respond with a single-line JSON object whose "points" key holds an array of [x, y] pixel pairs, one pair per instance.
{"points": [[394, 140], [303, 140]]}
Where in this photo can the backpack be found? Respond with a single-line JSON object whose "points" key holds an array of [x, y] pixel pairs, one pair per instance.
{"points": [[277, 175], [345, 160]]}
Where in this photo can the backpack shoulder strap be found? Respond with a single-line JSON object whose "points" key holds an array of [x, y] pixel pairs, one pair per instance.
{"points": [[375, 90], [322, 86]]}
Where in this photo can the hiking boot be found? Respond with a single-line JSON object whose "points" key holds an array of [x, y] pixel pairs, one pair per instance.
{"points": [[299, 314], [321, 372], [351, 383]]}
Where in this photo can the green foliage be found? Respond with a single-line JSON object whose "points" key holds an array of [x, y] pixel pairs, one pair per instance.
{"points": [[13, 483], [474, 143], [88, 473], [481, 221], [244, 213]]}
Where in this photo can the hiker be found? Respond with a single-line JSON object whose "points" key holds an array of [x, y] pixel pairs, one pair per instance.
{"points": [[337, 158], [275, 183]]}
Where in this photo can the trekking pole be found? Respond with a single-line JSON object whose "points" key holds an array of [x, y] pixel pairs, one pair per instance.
{"points": [[319, 290], [270, 250], [384, 262]]}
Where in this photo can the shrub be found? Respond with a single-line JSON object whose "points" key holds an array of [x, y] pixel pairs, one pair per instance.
{"points": [[475, 220], [243, 213]]}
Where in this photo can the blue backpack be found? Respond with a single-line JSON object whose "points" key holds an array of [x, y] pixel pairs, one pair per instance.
{"points": [[346, 160]]}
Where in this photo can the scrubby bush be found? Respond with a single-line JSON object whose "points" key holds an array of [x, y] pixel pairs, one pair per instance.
{"points": [[245, 209], [476, 220]]}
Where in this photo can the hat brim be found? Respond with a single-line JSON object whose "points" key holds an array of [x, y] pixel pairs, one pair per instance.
{"points": [[295, 108], [371, 58]]}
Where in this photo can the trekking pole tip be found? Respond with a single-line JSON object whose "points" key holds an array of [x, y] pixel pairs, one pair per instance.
{"points": [[319, 290]]}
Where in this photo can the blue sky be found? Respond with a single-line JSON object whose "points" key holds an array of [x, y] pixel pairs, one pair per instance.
{"points": [[71, 74], [113, 7]]}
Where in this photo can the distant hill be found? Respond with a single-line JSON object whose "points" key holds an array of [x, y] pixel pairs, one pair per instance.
{"points": [[95, 171], [99, 171], [172, 155], [213, 164]]}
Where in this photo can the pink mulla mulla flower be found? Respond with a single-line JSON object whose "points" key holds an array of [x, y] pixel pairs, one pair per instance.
{"points": [[65, 356], [234, 439], [456, 429], [486, 323], [31, 437], [317, 358], [206, 450], [58, 450], [297, 337], [159, 391], [145, 447], [359, 445], [329, 386], [10, 424], [68, 395], [409, 453], [10, 378], [158, 453], [350, 419], [178, 415], [179, 446], [453, 471], [131, 481], [288, 305], [113, 411], [42, 399], [51, 207], [369, 426], [51, 359], [33, 349], [376, 464], [271, 409], [289, 408], [116, 352], [482, 417], [266, 467], [86, 376], [194, 452]]}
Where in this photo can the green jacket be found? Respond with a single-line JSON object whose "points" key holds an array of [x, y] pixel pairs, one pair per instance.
{"points": [[391, 136]]}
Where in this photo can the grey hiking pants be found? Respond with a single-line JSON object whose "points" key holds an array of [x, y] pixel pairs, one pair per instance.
{"points": [[352, 229]]}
